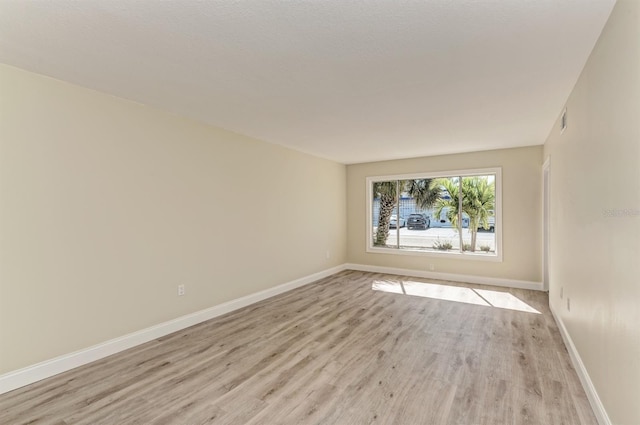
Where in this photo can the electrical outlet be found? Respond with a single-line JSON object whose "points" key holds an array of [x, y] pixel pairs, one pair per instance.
{"points": [[568, 304], [181, 290]]}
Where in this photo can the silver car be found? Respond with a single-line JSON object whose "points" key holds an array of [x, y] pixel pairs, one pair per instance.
{"points": [[393, 222]]}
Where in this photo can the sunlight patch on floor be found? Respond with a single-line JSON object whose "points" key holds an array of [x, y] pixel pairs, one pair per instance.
{"points": [[460, 294]]}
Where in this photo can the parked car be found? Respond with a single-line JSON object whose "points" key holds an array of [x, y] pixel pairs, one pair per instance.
{"points": [[443, 220], [418, 221], [492, 224], [393, 222]]}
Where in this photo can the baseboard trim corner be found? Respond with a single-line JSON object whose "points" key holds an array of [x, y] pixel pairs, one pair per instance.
{"points": [[481, 280], [48, 368], [594, 400]]}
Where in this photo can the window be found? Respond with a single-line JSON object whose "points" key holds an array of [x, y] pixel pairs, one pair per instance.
{"points": [[445, 214]]}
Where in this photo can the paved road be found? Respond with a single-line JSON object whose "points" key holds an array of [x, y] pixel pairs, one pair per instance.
{"points": [[426, 238]]}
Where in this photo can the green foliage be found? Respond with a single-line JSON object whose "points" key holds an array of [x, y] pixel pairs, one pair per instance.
{"points": [[466, 247], [444, 245], [485, 248], [424, 191]]}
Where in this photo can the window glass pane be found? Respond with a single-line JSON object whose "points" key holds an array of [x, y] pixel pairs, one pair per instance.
{"points": [[445, 216], [417, 203], [478, 204]]}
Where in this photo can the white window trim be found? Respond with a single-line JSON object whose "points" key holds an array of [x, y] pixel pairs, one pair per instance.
{"points": [[497, 257]]}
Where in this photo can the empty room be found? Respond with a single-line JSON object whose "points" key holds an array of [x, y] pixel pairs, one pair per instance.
{"points": [[319, 212]]}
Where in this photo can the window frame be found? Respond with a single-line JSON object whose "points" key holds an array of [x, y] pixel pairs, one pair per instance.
{"points": [[463, 255]]}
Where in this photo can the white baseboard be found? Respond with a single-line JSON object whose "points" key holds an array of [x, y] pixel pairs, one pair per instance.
{"points": [[30, 374], [481, 280], [581, 370]]}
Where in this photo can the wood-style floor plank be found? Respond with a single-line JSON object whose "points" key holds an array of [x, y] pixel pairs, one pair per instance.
{"points": [[334, 352]]}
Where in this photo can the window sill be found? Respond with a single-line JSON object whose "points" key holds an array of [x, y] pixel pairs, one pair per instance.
{"points": [[452, 255]]}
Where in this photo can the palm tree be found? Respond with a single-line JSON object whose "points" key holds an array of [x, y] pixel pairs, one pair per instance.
{"points": [[478, 202], [481, 196], [449, 201], [424, 191]]}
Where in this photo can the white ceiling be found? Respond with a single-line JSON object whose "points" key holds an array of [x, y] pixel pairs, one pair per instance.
{"points": [[354, 81]]}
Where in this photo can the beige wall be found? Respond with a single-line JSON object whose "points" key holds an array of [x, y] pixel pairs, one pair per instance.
{"points": [[521, 213], [107, 205], [595, 244]]}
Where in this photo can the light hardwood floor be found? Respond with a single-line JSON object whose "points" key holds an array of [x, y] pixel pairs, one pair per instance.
{"points": [[332, 352]]}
